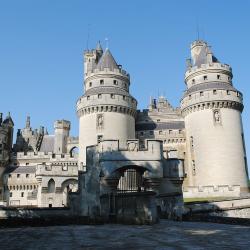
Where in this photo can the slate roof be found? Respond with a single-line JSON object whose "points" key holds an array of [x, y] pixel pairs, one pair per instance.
{"points": [[47, 143], [160, 125], [106, 90], [22, 169], [210, 85], [107, 61]]}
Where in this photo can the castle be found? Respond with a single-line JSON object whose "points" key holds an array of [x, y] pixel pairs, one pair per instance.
{"points": [[156, 155]]}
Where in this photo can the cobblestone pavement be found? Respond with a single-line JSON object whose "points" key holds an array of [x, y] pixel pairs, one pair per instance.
{"points": [[165, 235]]}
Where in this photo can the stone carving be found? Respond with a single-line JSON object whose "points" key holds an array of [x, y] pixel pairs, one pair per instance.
{"points": [[132, 146], [217, 117], [99, 121]]}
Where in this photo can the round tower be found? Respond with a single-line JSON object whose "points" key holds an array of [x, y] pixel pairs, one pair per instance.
{"points": [[106, 110], [212, 106]]}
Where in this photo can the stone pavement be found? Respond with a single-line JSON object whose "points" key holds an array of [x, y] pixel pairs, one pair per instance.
{"points": [[165, 235]]}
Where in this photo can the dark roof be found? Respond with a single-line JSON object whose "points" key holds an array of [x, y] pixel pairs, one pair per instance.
{"points": [[22, 169], [107, 61], [160, 125], [210, 85], [47, 143], [106, 90]]}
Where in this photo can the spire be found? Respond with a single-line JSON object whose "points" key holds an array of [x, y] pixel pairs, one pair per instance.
{"points": [[107, 61], [8, 120], [99, 46], [28, 122]]}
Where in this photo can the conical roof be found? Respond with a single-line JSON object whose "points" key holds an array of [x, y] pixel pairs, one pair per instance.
{"points": [[107, 61], [8, 120]]}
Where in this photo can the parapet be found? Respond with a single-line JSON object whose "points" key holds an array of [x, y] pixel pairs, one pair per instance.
{"points": [[62, 124]]}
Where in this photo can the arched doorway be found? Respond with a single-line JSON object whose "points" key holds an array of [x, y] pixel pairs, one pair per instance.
{"points": [[131, 179], [74, 152], [68, 186]]}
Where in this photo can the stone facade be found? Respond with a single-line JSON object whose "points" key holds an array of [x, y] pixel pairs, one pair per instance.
{"points": [[123, 152]]}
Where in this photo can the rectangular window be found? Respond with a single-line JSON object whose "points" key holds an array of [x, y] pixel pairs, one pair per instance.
{"points": [[205, 78], [27, 175], [99, 96], [215, 92], [170, 131], [190, 97], [90, 84], [88, 97], [18, 175], [201, 93], [193, 167], [22, 194], [102, 82], [160, 132], [115, 82], [10, 194], [218, 77], [228, 92], [65, 168], [112, 96], [99, 138]]}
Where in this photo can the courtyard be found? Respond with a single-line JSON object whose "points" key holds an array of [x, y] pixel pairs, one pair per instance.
{"points": [[165, 235]]}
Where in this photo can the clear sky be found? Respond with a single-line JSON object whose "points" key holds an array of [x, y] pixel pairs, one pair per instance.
{"points": [[42, 44]]}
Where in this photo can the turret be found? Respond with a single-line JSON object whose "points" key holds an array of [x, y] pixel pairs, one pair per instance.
{"points": [[212, 107], [106, 110], [62, 128]]}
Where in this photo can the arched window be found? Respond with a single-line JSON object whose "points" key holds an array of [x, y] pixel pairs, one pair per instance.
{"points": [[51, 186], [74, 152]]}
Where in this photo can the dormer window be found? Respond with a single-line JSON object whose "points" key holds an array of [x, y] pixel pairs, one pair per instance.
{"points": [[102, 82], [205, 78]]}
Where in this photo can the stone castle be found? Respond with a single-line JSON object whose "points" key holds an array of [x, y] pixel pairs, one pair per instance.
{"points": [[155, 156]]}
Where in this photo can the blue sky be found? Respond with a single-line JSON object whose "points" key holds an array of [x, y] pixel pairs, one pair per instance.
{"points": [[42, 44]]}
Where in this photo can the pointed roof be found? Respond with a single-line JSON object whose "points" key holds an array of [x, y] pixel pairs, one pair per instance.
{"points": [[8, 120], [99, 46], [107, 61]]}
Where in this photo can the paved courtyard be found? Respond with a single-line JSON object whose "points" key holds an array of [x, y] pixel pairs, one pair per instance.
{"points": [[165, 235]]}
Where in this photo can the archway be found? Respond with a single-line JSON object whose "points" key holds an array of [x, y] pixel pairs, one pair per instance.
{"points": [[70, 185], [74, 151], [131, 179]]}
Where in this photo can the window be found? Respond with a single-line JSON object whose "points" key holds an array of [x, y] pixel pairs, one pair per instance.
{"points": [[99, 138], [228, 92], [99, 96], [26, 163], [192, 142], [112, 96], [10, 176], [65, 168], [205, 78], [160, 132], [158, 120], [115, 82], [190, 97], [90, 84], [201, 93], [102, 82], [88, 97], [215, 92], [51, 186], [18, 175], [170, 131], [10, 194], [27, 175], [124, 97], [180, 131], [193, 81], [22, 194], [218, 77], [193, 167]]}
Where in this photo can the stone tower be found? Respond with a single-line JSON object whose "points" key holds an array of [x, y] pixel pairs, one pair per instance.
{"points": [[6, 138], [212, 106], [106, 110], [62, 128]]}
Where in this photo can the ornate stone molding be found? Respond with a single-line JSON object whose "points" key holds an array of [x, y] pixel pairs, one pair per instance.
{"points": [[106, 108], [212, 105]]}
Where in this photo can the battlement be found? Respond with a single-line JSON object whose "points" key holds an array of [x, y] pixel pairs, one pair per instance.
{"points": [[62, 124], [49, 155], [120, 71], [109, 149], [210, 66]]}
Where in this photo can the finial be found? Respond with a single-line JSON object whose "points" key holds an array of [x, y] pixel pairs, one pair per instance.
{"points": [[28, 122], [107, 43]]}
